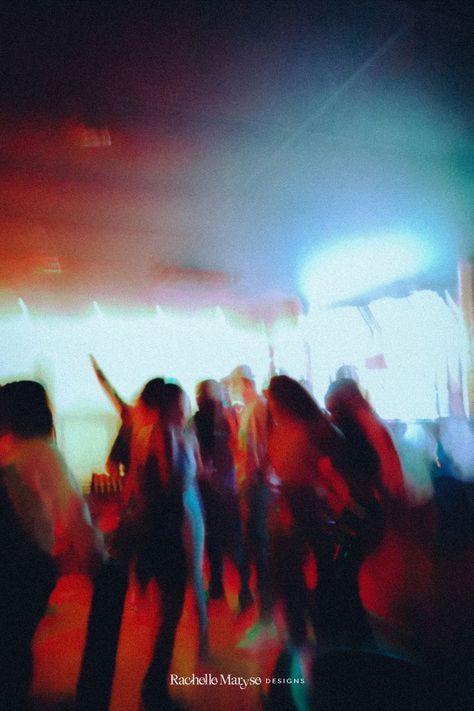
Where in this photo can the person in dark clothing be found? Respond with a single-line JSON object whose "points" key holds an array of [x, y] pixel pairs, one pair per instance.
{"points": [[215, 427], [161, 554], [329, 505], [44, 523], [28, 576], [376, 468], [454, 528], [149, 539], [306, 452]]}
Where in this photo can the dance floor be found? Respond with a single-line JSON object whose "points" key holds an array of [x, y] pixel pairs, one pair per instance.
{"points": [[60, 638], [412, 595]]}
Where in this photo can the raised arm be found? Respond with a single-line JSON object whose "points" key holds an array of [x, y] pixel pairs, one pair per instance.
{"points": [[109, 390]]}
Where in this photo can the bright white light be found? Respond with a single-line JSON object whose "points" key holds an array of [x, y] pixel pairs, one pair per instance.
{"points": [[358, 265], [131, 348], [420, 337]]}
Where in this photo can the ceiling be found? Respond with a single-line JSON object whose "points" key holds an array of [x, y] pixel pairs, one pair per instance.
{"points": [[204, 152]]}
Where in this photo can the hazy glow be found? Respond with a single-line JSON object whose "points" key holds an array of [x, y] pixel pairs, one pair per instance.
{"points": [[420, 337], [358, 265], [336, 337], [131, 349], [421, 341]]}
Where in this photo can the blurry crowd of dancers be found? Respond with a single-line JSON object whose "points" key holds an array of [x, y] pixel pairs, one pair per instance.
{"points": [[264, 478]]}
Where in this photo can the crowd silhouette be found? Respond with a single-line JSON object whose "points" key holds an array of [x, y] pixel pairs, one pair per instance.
{"points": [[273, 481]]}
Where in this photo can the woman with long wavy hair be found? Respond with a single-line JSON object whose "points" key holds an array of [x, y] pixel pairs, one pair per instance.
{"points": [[183, 463], [311, 458]]}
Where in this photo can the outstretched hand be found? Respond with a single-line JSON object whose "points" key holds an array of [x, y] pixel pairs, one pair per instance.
{"points": [[96, 367]]}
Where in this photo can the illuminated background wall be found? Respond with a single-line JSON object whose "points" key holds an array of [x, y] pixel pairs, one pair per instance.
{"points": [[405, 351]]}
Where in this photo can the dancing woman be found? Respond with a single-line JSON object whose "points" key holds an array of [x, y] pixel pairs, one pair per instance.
{"points": [[149, 540], [216, 427], [307, 455], [183, 462]]}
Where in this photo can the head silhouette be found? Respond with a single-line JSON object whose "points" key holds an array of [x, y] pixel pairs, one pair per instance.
{"points": [[25, 410]]}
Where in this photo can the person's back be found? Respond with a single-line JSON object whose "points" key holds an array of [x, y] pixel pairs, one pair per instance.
{"points": [[28, 576], [183, 461], [150, 537], [213, 430], [48, 502], [43, 493], [308, 454], [216, 429], [47, 521], [376, 465]]}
